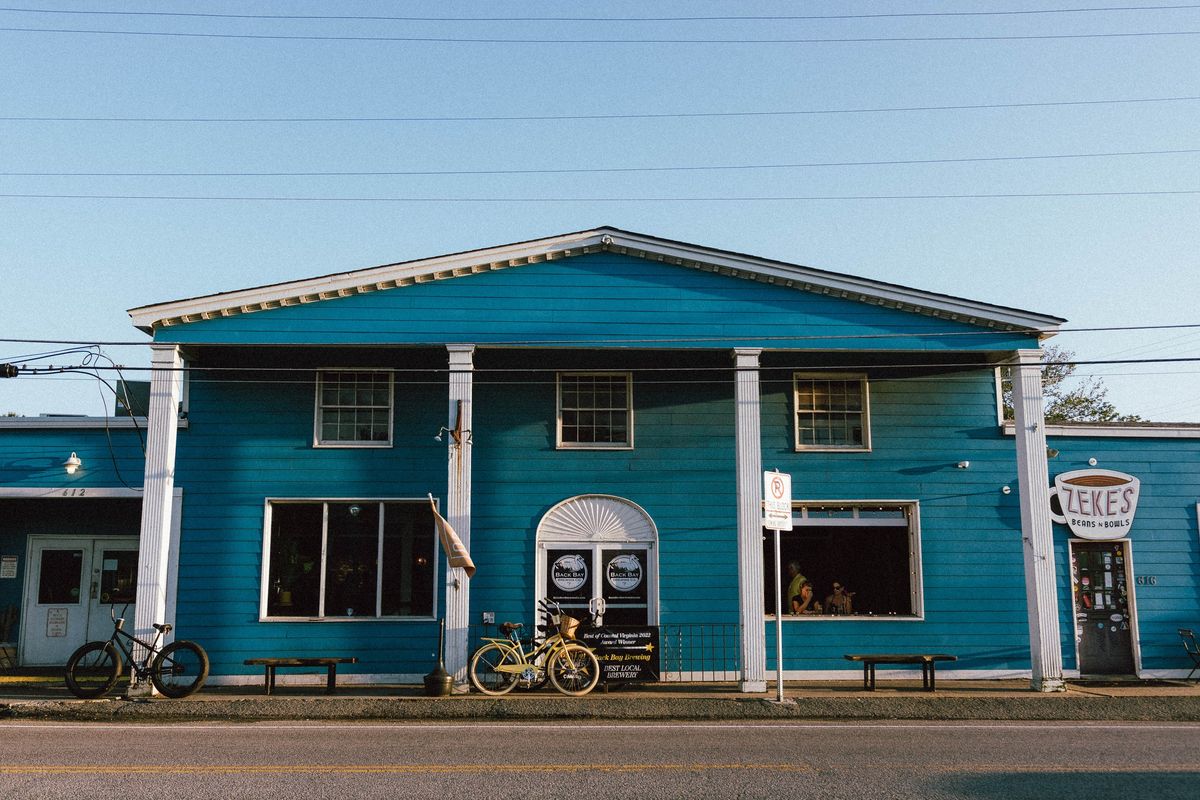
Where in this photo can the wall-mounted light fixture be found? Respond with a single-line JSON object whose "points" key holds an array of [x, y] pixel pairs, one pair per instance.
{"points": [[73, 463], [1051, 452], [457, 434], [1006, 489], [1091, 462], [355, 510], [963, 465]]}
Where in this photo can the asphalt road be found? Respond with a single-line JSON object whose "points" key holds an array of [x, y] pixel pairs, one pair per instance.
{"points": [[547, 761]]}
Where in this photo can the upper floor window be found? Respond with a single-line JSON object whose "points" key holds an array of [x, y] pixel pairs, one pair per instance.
{"points": [[595, 410], [354, 409], [831, 412]]}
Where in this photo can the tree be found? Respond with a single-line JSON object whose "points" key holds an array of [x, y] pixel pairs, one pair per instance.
{"points": [[1083, 400]]}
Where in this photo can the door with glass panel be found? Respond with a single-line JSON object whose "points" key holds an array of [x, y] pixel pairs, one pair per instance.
{"points": [[71, 587], [612, 579]]}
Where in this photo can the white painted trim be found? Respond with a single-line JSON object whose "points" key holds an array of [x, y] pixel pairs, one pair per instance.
{"points": [[460, 396], [748, 468], [560, 444], [77, 423], [847, 377], [1131, 430], [70, 492], [264, 583], [390, 276], [338, 444]]}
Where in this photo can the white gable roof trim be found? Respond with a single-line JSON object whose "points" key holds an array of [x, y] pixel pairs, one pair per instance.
{"points": [[395, 276]]}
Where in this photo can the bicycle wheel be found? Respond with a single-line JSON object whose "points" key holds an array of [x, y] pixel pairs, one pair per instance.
{"points": [[483, 672], [93, 669], [179, 669], [574, 669]]}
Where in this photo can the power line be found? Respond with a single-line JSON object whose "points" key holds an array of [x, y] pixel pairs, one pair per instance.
{"points": [[592, 170], [574, 117], [562, 199], [688, 18], [515, 40]]}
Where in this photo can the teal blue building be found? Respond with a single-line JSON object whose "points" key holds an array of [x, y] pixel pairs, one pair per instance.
{"points": [[594, 414]]}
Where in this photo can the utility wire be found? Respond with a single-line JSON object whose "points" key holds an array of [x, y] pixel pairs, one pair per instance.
{"points": [[570, 117], [566, 41], [563, 199], [687, 18], [592, 170]]}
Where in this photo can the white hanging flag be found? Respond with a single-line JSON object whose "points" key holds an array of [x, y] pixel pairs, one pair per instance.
{"points": [[456, 551]]}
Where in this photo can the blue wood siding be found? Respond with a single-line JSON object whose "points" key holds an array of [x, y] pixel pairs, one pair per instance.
{"points": [[1164, 542], [619, 300], [34, 458]]}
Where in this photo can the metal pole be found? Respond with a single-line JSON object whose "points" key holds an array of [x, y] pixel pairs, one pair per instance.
{"points": [[778, 621]]}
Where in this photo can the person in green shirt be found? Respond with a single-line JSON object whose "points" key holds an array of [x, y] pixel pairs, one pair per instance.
{"points": [[800, 593]]}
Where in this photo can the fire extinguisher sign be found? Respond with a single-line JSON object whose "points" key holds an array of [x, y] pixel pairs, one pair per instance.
{"points": [[777, 501]]}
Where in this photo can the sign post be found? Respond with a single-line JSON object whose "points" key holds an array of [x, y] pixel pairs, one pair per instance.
{"points": [[777, 516]]}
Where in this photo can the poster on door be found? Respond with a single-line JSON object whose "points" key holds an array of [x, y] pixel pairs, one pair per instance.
{"points": [[625, 577], [569, 576], [626, 653]]}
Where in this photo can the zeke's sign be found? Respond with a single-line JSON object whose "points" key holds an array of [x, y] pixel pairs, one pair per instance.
{"points": [[1095, 503]]}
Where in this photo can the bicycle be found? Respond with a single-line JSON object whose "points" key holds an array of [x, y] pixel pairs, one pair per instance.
{"points": [[501, 664], [176, 670]]}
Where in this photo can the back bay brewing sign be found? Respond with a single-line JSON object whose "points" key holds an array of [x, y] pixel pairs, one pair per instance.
{"points": [[1096, 504]]}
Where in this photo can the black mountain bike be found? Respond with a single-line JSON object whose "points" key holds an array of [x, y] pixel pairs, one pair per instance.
{"points": [[176, 670]]}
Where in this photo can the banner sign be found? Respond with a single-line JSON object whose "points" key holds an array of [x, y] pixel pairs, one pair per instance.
{"points": [[626, 653], [1096, 504]]}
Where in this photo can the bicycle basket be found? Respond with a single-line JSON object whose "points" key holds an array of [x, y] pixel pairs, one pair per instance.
{"points": [[567, 626]]}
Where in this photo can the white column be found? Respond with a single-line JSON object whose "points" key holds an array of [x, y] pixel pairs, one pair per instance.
{"points": [[749, 500], [158, 484], [458, 508], [1033, 483]]}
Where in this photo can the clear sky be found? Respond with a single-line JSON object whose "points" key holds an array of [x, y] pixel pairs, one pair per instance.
{"points": [[1043, 138]]}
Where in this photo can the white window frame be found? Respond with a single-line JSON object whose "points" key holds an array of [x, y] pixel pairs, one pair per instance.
{"points": [[844, 377], [912, 519], [627, 444], [265, 580], [319, 442]]}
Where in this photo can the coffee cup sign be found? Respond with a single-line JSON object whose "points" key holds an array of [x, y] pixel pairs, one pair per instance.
{"points": [[1095, 503]]}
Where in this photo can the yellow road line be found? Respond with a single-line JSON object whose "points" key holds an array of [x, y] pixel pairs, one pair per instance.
{"points": [[288, 769]]}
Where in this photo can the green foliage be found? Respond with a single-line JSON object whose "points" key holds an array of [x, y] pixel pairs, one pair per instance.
{"points": [[1067, 400]]}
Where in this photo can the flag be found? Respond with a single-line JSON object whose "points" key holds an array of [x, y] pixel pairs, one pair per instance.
{"points": [[456, 551]]}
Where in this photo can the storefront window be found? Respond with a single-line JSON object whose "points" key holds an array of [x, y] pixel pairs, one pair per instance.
{"points": [[350, 559], [859, 560]]}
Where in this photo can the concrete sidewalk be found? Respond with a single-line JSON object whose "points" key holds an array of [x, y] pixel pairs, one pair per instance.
{"points": [[45, 698]]}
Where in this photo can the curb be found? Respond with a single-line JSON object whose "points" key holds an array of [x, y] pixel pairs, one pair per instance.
{"points": [[1040, 708]]}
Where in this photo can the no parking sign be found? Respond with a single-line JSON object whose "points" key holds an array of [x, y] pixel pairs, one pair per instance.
{"points": [[777, 501]]}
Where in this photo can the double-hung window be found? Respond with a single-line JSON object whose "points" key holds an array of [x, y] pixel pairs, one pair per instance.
{"points": [[347, 559], [595, 410], [831, 412], [354, 409]]}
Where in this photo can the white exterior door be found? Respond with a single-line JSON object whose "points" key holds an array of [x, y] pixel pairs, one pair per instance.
{"points": [[70, 590]]}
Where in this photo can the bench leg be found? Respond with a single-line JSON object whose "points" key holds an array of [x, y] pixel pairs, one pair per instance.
{"points": [[868, 676], [929, 676], [331, 681], [269, 680]]}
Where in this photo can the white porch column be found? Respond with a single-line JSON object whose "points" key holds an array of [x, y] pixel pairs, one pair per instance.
{"points": [[1033, 483], [749, 500], [158, 484], [458, 508]]}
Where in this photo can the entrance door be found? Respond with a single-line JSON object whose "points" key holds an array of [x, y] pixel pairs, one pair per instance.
{"points": [[72, 585], [612, 579], [1103, 618]]}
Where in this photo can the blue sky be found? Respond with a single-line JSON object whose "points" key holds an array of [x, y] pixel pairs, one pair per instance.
{"points": [[1112, 240]]}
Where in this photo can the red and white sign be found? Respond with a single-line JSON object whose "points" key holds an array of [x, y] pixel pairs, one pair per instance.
{"points": [[777, 501], [1095, 504]]}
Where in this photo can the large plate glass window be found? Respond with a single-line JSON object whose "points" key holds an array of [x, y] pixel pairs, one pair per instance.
{"points": [[349, 559], [595, 410], [354, 409], [860, 560], [831, 412]]}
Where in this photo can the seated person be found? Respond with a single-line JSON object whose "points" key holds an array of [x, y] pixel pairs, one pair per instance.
{"points": [[800, 591], [840, 602]]}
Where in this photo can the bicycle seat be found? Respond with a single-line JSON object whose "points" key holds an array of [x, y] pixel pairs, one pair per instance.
{"points": [[508, 627], [164, 627]]}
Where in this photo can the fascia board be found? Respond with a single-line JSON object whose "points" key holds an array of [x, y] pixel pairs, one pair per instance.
{"points": [[606, 238]]}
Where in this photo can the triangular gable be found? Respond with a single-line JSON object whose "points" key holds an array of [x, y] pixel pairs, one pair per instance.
{"points": [[391, 277]]}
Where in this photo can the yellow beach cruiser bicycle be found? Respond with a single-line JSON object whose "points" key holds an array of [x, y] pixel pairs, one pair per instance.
{"points": [[501, 664]]}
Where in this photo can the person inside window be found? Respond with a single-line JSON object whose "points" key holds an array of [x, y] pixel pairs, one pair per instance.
{"points": [[800, 592], [840, 602]]}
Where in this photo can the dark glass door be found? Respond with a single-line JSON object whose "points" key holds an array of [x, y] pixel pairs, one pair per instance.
{"points": [[1103, 626]]}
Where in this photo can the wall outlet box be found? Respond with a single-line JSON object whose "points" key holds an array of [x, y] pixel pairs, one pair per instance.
{"points": [[489, 618]]}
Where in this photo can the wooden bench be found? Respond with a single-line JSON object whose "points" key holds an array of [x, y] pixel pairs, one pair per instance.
{"points": [[329, 662], [928, 662]]}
